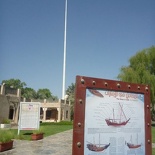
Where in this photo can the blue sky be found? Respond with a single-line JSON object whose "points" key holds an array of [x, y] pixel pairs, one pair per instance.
{"points": [[101, 37]]}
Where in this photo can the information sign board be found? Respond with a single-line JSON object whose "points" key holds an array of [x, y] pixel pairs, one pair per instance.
{"points": [[29, 116], [111, 118]]}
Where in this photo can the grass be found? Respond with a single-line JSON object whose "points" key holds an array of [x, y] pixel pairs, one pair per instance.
{"points": [[153, 151], [153, 137], [47, 128], [53, 128], [153, 134]]}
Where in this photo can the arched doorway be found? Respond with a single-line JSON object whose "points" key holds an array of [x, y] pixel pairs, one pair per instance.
{"points": [[11, 112], [52, 114]]}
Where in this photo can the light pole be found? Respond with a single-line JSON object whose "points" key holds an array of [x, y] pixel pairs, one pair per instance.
{"points": [[64, 61]]}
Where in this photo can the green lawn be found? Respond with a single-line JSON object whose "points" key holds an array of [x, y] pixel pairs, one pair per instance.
{"points": [[153, 138], [53, 128], [47, 128], [153, 151], [153, 134]]}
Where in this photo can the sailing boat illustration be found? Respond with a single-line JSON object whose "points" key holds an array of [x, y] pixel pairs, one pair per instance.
{"points": [[121, 120], [97, 147], [95, 92], [131, 145]]}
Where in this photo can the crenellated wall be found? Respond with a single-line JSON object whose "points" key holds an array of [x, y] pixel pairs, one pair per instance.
{"points": [[9, 103]]}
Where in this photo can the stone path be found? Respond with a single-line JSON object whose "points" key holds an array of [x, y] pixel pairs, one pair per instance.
{"points": [[58, 144]]}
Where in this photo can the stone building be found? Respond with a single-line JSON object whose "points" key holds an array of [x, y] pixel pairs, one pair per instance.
{"points": [[9, 103], [49, 111], [55, 111]]}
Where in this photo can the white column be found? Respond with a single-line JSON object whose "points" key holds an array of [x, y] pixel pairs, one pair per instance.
{"points": [[17, 112], [24, 99], [14, 114], [44, 114], [3, 89], [69, 113], [63, 114], [45, 100], [19, 93], [59, 114]]}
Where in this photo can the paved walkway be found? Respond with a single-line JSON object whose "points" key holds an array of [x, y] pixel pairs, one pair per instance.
{"points": [[58, 144]]}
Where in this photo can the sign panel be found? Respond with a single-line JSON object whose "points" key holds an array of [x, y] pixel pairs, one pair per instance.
{"points": [[29, 116], [111, 118], [112, 123]]}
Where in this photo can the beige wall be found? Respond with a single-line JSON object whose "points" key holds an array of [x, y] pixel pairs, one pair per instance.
{"points": [[8, 98], [4, 107]]}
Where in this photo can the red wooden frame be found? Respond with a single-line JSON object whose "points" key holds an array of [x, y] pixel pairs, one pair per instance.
{"points": [[83, 83]]}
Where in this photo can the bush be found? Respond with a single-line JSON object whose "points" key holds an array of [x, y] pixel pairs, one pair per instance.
{"points": [[6, 121], [40, 130], [6, 136], [153, 115], [65, 123]]}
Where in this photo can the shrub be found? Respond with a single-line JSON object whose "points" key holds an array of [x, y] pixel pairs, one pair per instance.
{"points": [[5, 136], [40, 130], [153, 115], [6, 121]]}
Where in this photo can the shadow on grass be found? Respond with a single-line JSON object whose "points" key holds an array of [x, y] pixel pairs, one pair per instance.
{"points": [[57, 123], [30, 133], [153, 123]]}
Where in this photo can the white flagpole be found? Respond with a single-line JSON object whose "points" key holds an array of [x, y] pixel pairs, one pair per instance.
{"points": [[64, 63]]}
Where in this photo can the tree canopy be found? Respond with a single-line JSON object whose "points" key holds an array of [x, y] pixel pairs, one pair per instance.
{"points": [[14, 83], [70, 92], [27, 92], [141, 70], [44, 93]]}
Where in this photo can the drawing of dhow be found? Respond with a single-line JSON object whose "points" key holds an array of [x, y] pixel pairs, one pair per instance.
{"points": [[97, 147], [119, 120], [132, 145]]}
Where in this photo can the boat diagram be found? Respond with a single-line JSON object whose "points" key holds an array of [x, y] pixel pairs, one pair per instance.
{"points": [[133, 145], [118, 121], [97, 147]]}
